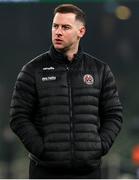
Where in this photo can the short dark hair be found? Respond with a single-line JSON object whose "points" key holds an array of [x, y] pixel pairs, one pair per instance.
{"points": [[70, 8]]}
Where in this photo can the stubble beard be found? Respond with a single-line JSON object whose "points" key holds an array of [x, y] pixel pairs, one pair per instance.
{"points": [[66, 48]]}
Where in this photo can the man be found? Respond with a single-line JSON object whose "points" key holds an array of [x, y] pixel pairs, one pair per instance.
{"points": [[65, 106]]}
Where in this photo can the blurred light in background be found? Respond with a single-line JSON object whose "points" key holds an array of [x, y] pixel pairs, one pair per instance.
{"points": [[135, 155], [123, 12], [110, 6]]}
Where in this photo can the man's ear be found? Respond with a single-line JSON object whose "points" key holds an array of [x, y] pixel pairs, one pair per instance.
{"points": [[82, 31]]}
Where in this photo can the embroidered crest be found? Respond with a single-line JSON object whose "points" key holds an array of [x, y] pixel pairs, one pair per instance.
{"points": [[88, 79]]}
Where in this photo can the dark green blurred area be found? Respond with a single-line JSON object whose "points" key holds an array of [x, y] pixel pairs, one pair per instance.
{"points": [[64, 1], [25, 32]]}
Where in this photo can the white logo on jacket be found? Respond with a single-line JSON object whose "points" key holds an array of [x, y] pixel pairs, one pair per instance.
{"points": [[48, 68], [49, 78]]}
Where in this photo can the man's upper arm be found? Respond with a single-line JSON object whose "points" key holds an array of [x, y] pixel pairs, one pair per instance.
{"points": [[110, 110], [22, 110]]}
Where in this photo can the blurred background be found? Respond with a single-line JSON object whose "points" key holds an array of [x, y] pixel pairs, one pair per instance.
{"points": [[112, 36]]}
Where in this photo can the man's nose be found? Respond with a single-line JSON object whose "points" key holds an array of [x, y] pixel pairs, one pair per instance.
{"points": [[59, 31]]}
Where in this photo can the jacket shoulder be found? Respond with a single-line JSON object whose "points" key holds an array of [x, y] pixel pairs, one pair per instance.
{"points": [[94, 59], [37, 61]]}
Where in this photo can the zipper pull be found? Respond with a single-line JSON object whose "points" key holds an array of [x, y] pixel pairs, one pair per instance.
{"points": [[67, 68]]}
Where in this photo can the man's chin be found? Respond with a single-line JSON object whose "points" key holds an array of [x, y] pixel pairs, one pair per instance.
{"points": [[58, 47]]}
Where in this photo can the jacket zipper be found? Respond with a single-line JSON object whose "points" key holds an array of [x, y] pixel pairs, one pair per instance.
{"points": [[70, 112]]}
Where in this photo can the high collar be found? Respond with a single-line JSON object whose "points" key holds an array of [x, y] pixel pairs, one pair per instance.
{"points": [[61, 58]]}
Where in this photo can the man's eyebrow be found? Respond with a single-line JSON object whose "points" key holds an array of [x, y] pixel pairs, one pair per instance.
{"points": [[62, 24], [66, 25]]}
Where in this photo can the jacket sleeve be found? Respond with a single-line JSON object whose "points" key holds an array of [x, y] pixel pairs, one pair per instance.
{"points": [[22, 111], [110, 110]]}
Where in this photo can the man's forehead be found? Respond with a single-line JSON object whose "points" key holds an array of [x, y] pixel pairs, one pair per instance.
{"points": [[64, 17], [65, 14]]}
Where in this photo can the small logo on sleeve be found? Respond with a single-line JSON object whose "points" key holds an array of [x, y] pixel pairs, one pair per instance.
{"points": [[88, 79]]}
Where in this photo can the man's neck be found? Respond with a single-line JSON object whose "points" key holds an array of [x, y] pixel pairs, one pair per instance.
{"points": [[71, 53]]}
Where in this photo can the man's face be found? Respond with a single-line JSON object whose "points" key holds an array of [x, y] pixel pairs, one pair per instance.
{"points": [[66, 31]]}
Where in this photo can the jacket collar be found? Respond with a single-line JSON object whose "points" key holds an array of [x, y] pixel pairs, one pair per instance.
{"points": [[61, 58]]}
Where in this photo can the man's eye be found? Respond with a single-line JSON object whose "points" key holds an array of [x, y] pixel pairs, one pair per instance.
{"points": [[66, 27], [55, 26]]}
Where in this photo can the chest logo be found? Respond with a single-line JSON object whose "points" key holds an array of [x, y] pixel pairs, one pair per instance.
{"points": [[88, 79], [49, 78], [48, 68]]}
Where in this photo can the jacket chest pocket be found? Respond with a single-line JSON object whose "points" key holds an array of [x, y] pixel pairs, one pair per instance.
{"points": [[49, 79], [52, 79]]}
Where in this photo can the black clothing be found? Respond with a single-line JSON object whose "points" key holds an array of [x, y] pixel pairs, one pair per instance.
{"points": [[37, 171], [67, 114]]}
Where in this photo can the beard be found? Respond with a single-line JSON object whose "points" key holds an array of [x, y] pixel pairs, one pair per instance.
{"points": [[65, 48]]}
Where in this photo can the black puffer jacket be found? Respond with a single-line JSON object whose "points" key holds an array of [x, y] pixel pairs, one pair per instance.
{"points": [[67, 114]]}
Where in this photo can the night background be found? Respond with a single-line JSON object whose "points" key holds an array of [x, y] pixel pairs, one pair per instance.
{"points": [[112, 36]]}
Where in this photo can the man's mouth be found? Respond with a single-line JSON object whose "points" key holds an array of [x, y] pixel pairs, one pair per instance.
{"points": [[58, 41]]}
